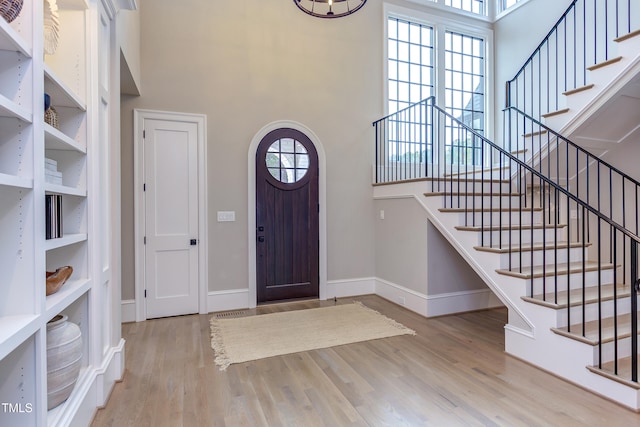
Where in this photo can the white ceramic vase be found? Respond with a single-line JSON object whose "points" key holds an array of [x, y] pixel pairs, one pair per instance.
{"points": [[64, 358]]}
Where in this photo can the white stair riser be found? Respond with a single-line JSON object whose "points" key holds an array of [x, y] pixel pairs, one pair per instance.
{"points": [[453, 185], [519, 236], [541, 257], [574, 280], [608, 350], [479, 202], [592, 309], [496, 174], [629, 48], [497, 218]]}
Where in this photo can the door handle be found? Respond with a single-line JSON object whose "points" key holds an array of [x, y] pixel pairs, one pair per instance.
{"points": [[261, 228], [193, 242], [260, 238]]}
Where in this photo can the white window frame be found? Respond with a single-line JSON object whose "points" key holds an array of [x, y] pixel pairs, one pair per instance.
{"points": [[501, 12], [442, 21], [493, 9]]}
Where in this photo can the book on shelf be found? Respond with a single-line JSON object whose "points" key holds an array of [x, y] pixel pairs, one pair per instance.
{"points": [[50, 165], [51, 173], [53, 216], [53, 177]]}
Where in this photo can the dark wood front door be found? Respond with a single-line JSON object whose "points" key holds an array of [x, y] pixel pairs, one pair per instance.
{"points": [[287, 228]]}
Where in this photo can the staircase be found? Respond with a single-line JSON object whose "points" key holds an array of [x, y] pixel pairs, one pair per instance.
{"points": [[563, 298], [551, 228]]}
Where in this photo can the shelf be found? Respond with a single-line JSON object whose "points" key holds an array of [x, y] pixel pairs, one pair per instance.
{"points": [[61, 95], [12, 41], [56, 140], [63, 189], [9, 108], [15, 181], [67, 295], [14, 330], [66, 240]]}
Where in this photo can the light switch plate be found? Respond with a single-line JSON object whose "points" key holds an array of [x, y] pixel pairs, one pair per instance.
{"points": [[226, 216]]}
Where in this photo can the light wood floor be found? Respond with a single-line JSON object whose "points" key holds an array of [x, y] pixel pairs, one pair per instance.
{"points": [[453, 373]]}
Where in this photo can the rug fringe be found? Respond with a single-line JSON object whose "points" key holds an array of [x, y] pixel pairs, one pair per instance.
{"points": [[388, 320], [222, 360]]}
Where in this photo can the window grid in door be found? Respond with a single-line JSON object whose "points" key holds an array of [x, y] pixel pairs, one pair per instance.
{"points": [[287, 160]]}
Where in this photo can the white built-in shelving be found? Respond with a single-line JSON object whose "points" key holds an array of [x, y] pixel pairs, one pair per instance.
{"points": [[69, 78], [21, 323]]}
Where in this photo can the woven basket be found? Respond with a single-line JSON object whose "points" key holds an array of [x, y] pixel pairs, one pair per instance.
{"points": [[10, 9], [51, 117]]}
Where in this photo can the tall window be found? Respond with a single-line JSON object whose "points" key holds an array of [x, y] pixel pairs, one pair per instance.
{"points": [[412, 75], [410, 63], [457, 80], [464, 71]]}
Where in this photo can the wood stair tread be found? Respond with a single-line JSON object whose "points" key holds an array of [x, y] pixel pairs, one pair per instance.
{"points": [[555, 113], [604, 63], [590, 297], [578, 90], [477, 170], [591, 333], [513, 227], [445, 180], [538, 133], [528, 248], [472, 210], [623, 374], [466, 194], [552, 270], [627, 36]]}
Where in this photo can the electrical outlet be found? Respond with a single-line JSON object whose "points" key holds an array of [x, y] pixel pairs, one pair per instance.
{"points": [[381, 214], [401, 300]]}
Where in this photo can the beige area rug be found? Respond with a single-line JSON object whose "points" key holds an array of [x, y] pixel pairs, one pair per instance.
{"points": [[237, 340]]}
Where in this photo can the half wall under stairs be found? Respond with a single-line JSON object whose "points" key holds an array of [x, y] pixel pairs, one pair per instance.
{"points": [[545, 326]]}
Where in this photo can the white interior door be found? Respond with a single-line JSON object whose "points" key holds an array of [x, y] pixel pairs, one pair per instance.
{"points": [[171, 217]]}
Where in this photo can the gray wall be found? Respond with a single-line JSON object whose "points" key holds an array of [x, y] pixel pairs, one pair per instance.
{"points": [[245, 64], [448, 271], [516, 36], [401, 243], [412, 253]]}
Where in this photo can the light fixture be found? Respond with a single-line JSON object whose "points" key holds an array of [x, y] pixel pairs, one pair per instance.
{"points": [[329, 8]]}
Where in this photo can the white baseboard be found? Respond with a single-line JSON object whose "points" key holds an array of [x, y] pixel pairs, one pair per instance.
{"points": [[111, 371], [351, 287], [414, 301], [437, 305], [460, 302], [233, 299], [426, 305], [128, 310]]}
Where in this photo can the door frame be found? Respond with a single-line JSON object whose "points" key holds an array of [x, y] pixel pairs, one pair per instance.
{"points": [[251, 203], [139, 116]]}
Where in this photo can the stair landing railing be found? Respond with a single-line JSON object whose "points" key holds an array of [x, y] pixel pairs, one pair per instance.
{"points": [[615, 194], [585, 35], [500, 198]]}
